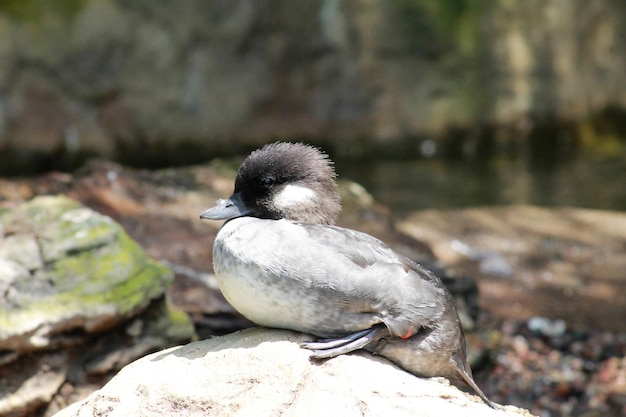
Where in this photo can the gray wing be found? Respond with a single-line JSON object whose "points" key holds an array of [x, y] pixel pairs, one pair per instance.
{"points": [[406, 296]]}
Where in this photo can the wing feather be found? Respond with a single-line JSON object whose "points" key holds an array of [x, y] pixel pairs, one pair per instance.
{"points": [[371, 275]]}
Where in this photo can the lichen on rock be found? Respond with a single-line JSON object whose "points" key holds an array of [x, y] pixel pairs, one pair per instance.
{"points": [[79, 299], [67, 268]]}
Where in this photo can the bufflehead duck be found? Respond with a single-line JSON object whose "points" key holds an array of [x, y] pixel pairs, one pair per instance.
{"points": [[281, 262]]}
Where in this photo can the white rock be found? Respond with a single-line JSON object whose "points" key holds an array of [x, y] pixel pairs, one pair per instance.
{"points": [[262, 372]]}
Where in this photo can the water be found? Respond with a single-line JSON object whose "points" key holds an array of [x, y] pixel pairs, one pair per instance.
{"points": [[577, 178]]}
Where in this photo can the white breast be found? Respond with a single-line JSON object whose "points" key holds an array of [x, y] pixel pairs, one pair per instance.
{"points": [[245, 280]]}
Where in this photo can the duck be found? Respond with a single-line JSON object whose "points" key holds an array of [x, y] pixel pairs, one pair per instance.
{"points": [[281, 262]]}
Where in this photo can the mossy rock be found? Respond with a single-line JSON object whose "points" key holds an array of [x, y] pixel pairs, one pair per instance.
{"points": [[67, 270]]}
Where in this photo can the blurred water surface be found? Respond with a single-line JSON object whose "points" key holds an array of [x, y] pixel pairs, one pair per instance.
{"points": [[576, 178]]}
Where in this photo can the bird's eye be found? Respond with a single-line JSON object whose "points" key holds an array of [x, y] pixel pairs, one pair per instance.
{"points": [[267, 182]]}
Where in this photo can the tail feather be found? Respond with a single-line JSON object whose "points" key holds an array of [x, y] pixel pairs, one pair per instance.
{"points": [[464, 370]]}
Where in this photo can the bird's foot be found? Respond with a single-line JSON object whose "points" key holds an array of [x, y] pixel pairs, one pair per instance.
{"points": [[329, 348]]}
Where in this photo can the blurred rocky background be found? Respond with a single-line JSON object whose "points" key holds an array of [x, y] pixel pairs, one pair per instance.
{"points": [[158, 82], [470, 123]]}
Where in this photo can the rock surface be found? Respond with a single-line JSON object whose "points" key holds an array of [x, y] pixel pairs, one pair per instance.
{"points": [[560, 263], [67, 269], [75, 292], [262, 372]]}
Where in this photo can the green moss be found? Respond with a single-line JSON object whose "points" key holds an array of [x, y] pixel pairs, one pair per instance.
{"points": [[35, 10], [121, 278], [175, 324], [78, 230], [118, 274], [100, 270]]}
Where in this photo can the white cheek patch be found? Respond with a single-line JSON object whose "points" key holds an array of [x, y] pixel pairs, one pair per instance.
{"points": [[293, 195]]}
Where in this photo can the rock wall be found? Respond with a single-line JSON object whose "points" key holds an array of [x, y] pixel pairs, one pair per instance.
{"points": [[113, 78]]}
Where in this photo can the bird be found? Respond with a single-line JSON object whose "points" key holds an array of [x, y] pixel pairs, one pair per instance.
{"points": [[281, 262]]}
